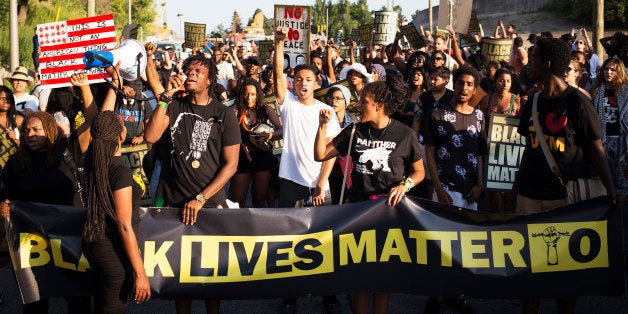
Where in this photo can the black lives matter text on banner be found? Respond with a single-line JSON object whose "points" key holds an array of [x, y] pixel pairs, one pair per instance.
{"points": [[133, 157], [497, 49], [297, 44], [413, 36], [365, 31], [385, 25], [63, 44], [252, 253], [194, 35], [505, 150]]}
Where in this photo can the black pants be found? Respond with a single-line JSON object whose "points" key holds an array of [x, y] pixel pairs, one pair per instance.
{"points": [[113, 275], [76, 305], [292, 194]]}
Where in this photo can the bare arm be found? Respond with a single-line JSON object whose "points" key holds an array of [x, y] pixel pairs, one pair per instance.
{"points": [[239, 66], [329, 62], [124, 208], [352, 52], [151, 71], [430, 158], [281, 83], [455, 47], [109, 103], [399, 191], [274, 119], [90, 109], [324, 150]]}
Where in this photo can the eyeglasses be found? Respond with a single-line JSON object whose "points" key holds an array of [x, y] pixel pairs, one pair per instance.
{"points": [[439, 59], [334, 99]]}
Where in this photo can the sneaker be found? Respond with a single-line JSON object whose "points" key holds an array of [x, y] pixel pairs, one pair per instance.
{"points": [[288, 306], [331, 304], [432, 306]]}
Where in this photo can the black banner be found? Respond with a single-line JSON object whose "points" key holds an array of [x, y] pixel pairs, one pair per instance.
{"points": [[505, 150], [418, 247]]}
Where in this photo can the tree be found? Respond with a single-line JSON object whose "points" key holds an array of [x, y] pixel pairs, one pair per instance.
{"points": [[218, 32], [236, 23]]}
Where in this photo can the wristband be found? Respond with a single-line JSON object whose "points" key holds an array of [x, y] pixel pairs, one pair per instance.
{"points": [[162, 104], [408, 183], [165, 98]]}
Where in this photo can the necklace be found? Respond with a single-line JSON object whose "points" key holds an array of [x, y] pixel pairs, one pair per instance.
{"points": [[384, 131]]}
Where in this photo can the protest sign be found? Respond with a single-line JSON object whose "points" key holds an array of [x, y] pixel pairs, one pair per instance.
{"points": [[130, 31], [63, 44], [365, 32], [385, 25], [297, 43], [497, 48], [251, 253], [133, 157], [194, 35], [265, 49], [412, 35], [505, 150], [7, 147], [355, 35], [474, 24], [460, 15]]}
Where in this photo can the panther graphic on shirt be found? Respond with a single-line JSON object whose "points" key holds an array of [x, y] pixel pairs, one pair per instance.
{"points": [[378, 157]]}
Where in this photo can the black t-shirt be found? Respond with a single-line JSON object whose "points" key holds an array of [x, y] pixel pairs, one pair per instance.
{"points": [[121, 176], [55, 184], [197, 135], [458, 140], [569, 123], [611, 110], [134, 116], [429, 103], [381, 163]]}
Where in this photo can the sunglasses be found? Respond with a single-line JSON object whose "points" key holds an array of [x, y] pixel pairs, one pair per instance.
{"points": [[439, 58]]}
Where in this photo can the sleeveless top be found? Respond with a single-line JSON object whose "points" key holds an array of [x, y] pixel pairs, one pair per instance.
{"points": [[506, 112]]}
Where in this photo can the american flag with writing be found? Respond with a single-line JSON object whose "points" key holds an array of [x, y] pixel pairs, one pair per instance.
{"points": [[62, 45]]}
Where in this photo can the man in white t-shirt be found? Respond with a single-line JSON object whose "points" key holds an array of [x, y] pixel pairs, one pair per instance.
{"points": [[301, 177], [225, 69]]}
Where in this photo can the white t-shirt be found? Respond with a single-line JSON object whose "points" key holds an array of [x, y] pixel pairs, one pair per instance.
{"points": [[300, 123], [26, 101], [225, 73]]}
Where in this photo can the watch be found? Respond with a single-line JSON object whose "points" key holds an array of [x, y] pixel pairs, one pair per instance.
{"points": [[201, 198]]}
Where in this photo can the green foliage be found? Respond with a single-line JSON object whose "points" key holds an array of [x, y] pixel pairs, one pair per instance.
{"points": [[236, 23], [344, 16], [40, 12], [615, 11]]}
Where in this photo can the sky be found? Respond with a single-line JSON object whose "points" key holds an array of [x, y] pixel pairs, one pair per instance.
{"points": [[216, 12]]}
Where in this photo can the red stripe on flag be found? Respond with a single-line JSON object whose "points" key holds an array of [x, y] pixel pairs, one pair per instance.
{"points": [[62, 57], [67, 79], [92, 31], [74, 67], [105, 40], [90, 19]]}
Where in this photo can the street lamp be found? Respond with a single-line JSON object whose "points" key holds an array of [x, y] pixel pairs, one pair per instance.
{"points": [[180, 16]]}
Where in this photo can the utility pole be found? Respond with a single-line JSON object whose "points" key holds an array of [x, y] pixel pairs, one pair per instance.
{"points": [[430, 16], [91, 7], [180, 16], [598, 28], [13, 38], [129, 11]]}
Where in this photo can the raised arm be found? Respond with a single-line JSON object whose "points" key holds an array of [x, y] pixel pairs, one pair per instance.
{"points": [[160, 120], [109, 103], [455, 47], [90, 109], [281, 83], [329, 62], [324, 150], [352, 51]]}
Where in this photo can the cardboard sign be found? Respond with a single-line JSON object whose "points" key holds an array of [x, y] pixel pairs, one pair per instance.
{"points": [[265, 49], [297, 44], [497, 48], [412, 35], [505, 150], [130, 31], [365, 34], [460, 15], [63, 44], [385, 27], [194, 35], [355, 35], [474, 24]]}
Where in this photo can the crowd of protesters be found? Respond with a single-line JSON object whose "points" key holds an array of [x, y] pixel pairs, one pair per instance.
{"points": [[421, 115]]}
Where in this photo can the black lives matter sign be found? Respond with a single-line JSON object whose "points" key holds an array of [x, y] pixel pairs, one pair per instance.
{"points": [[505, 150]]}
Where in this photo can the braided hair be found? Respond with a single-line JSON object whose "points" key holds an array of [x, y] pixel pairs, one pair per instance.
{"points": [[393, 92], [241, 103], [52, 149], [12, 112], [105, 130]]}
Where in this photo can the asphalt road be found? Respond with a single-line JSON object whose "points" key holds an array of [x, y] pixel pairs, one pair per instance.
{"points": [[400, 303]]}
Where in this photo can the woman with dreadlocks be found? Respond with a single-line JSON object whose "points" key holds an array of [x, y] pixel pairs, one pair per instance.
{"points": [[376, 133], [112, 216], [44, 170]]}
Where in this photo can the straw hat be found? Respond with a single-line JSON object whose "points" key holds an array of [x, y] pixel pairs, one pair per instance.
{"points": [[21, 73]]}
